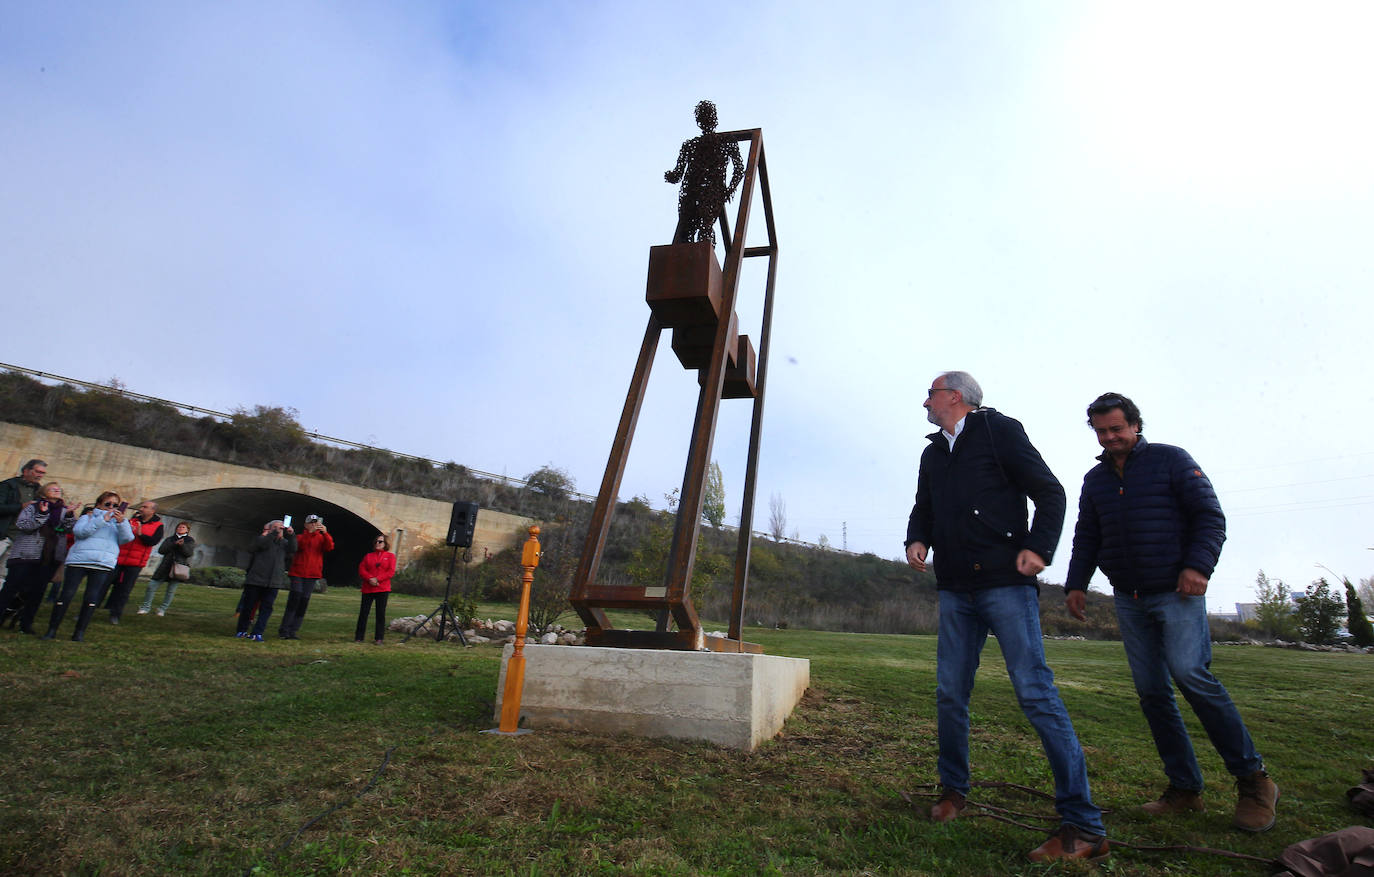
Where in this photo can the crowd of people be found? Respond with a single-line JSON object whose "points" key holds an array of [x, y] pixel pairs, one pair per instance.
{"points": [[48, 541], [1149, 519]]}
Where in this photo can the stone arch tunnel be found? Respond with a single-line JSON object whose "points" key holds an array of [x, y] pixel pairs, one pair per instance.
{"points": [[227, 505]]}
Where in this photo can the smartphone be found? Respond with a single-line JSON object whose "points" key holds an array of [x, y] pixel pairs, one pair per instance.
{"points": [[285, 521], [123, 507]]}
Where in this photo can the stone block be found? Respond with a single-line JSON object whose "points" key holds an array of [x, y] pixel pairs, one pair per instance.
{"points": [[734, 700]]}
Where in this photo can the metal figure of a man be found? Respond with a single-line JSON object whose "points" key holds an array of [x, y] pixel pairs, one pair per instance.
{"points": [[701, 168]]}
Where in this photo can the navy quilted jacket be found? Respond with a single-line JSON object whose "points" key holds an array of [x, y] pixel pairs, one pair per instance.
{"points": [[971, 504], [1144, 528]]}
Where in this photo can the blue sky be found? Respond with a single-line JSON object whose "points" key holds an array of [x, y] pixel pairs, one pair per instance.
{"points": [[426, 225]]}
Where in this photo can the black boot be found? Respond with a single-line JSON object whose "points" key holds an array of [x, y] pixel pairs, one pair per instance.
{"points": [[79, 635], [58, 610]]}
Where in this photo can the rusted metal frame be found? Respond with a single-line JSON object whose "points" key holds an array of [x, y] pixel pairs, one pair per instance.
{"points": [[599, 526], [746, 528], [682, 556]]}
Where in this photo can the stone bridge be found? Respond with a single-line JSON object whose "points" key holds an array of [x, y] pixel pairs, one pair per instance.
{"points": [[226, 505]]}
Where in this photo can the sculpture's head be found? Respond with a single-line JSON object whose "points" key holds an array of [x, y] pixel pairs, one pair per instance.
{"points": [[706, 116]]}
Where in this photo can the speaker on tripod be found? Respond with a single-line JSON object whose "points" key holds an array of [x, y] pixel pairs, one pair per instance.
{"points": [[462, 523]]}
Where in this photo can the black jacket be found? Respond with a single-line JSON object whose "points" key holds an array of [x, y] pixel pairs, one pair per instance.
{"points": [[269, 560], [971, 504], [15, 493], [172, 552], [1143, 529]]}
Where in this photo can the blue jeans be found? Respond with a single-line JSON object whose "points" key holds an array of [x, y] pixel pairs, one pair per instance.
{"points": [[1012, 614], [1166, 637]]}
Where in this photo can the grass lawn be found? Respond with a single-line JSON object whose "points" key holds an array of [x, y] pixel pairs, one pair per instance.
{"points": [[164, 745]]}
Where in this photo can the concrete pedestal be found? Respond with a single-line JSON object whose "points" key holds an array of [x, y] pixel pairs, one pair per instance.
{"points": [[736, 700]]}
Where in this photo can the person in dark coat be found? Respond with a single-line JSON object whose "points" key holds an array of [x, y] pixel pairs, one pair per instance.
{"points": [[15, 493], [975, 477], [38, 551], [1150, 520], [270, 554], [176, 548]]}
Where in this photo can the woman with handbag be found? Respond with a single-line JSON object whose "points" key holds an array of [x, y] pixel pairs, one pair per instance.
{"points": [[175, 568]]}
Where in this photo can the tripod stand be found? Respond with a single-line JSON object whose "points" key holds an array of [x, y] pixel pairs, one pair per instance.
{"points": [[444, 610]]}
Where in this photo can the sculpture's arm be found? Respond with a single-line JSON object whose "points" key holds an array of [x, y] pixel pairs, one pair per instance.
{"points": [[676, 173], [738, 164]]}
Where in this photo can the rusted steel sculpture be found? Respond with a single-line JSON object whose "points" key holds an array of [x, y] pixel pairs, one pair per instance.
{"points": [[688, 292], [701, 168]]}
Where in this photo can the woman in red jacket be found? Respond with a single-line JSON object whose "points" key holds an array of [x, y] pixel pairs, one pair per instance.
{"points": [[376, 570]]}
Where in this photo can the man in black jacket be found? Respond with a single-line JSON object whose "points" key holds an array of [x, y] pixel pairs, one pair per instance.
{"points": [[1150, 520], [971, 493], [15, 493]]}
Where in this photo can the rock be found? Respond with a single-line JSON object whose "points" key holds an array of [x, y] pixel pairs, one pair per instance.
{"points": [[549, 639]]}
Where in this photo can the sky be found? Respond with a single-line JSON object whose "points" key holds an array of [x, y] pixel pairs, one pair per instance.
{"points": [[426, 226]]}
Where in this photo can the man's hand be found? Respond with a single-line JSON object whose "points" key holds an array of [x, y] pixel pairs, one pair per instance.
{"points": [[916, 556], [1192, 583], [1075, 601], [1028, 563]]}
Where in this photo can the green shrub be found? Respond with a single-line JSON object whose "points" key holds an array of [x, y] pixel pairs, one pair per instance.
{"points": [[218, 576]]}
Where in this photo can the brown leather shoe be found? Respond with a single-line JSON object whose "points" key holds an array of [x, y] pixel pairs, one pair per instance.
{"points": [[1071, 842], [1173, 801], [948, 807], [1257, 798]]}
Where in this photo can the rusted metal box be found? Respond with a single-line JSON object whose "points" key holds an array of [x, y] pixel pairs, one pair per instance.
{"points": [[693, 344], [684, 287], [739, 371]]}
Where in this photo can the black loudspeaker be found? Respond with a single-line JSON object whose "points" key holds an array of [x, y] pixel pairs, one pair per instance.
{"points": [[462, 524]]}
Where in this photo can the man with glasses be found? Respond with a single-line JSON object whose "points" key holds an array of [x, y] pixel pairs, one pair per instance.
{"points": [[975, 477], [1150, 520], [15, 493]]}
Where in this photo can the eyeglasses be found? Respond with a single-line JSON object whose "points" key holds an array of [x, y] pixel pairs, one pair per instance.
{"points": [[380, 542], [930, 394]]}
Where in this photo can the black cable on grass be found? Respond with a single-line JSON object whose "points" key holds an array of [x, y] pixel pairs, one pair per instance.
{"points": [[281, 848], [376, 775]]}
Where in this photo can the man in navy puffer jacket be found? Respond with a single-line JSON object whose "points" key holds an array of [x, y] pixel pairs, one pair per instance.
{"points": [[975, 477], [1150, 520]]}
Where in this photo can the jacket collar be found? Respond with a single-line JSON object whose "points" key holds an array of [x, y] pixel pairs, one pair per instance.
{"points": [[939, 434], [1140, 444]]}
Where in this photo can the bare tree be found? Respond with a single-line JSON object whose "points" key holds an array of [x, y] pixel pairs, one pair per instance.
{"points": [[1366, 591], [777, 517]]}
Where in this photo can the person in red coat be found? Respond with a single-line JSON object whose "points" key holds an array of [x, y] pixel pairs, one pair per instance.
{"points": [[306, 569], [376, 570], [133, 556]]}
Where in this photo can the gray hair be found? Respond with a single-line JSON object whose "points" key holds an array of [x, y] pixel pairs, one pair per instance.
{"points": [[968, 388]]}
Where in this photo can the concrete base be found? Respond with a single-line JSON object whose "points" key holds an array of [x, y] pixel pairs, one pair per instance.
{"points": [[735, 700]]}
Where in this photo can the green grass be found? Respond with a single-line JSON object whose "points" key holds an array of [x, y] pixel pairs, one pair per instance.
{"points": [[165, 745]]}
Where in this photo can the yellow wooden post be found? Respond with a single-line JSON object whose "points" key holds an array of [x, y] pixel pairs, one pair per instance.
{"points": [[515, 667]]}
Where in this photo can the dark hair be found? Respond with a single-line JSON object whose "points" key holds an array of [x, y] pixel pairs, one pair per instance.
{"points": [[1110, 402], [105, 495], [34, 462], [386, 541]]}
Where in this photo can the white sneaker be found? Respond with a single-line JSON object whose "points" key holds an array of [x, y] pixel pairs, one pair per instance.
{"points": [[161, 612], [142, 611]]}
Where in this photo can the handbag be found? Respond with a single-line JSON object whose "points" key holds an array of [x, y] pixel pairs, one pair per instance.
{"points": [[181, 572]]}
